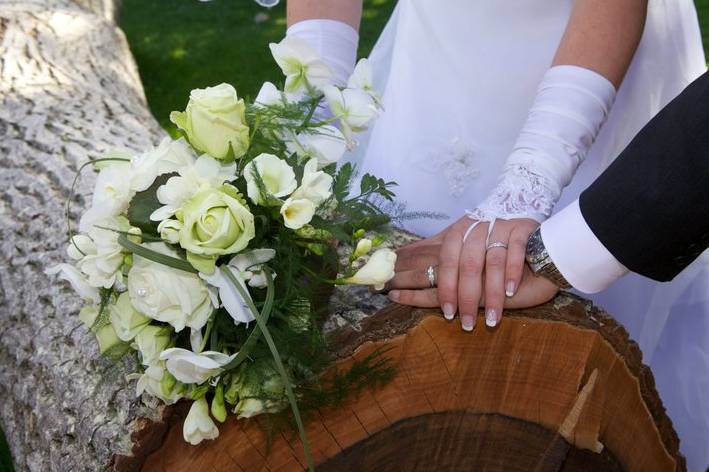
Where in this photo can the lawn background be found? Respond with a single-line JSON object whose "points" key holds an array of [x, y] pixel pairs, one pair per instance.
{"points": [[184, 44]]}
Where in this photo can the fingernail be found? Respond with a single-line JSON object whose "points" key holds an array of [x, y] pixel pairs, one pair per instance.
{"points": [[467, 322], [510, 291], [394, 295], [491, 318], [448, 311]]}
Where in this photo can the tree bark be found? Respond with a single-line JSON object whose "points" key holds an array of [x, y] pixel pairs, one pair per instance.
{"points": [[69, 90]]}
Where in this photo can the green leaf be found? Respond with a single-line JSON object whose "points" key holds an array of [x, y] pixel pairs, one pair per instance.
{"points": [[155, 256], [343, 179], [144, 204]]}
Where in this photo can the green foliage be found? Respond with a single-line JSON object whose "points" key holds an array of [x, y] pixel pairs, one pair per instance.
{"points": [[144, 204], [5, 459]]}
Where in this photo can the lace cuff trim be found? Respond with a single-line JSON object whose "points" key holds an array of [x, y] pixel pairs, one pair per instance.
{"points": [[520, 194]]}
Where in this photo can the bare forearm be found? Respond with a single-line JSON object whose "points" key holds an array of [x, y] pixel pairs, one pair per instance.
{"points": [[346, 11], [602, 35]]}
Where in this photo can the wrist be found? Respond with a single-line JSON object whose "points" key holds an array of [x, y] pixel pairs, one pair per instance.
{"points": [[541, 263], [335, 43]]}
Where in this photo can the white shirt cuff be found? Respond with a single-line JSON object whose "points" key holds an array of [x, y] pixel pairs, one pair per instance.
{"points": [[577, 253]]}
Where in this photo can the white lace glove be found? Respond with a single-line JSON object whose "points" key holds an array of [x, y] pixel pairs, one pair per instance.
{"points": [[571, 105], [334, 41]]}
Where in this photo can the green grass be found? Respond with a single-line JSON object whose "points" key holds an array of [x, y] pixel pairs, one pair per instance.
{"points": [[184, 44], [180, 45]]}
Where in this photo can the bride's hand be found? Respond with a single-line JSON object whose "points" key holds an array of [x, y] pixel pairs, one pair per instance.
{"points": [[463, 266]]}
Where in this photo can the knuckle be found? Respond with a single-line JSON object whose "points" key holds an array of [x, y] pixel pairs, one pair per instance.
{"points": [[495, 259], [471, 266]]}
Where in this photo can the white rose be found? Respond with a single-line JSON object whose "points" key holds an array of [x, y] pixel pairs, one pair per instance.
{"points": [[303, 68], [198, 425], [315, 186], [166, 294], [277, 176], [169, 156], [112, 195], [353, 107], [214, 121], [151, 382], [126, 320], [297, 212], [378, 270], [77, 280], [205, 173], [170, 230], [191, 368], [325, 143], [151, 341]]}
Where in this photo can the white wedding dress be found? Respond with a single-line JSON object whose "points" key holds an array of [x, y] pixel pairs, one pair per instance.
{"points": [[458, 78]]}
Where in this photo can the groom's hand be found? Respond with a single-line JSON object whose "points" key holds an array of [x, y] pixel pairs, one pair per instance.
{"points": [[410, 285]]}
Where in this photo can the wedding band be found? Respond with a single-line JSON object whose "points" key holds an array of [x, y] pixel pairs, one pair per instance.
{"points": [[496, 244], [431, 274]]}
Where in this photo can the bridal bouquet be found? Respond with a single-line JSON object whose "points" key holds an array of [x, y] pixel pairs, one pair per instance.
{"points": [[204, 256]]}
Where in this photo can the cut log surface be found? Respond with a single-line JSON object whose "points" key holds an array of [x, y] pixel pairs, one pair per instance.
{"points": [[557, 387]]}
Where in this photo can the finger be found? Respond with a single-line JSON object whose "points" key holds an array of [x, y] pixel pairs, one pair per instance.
{"points": [[411, 279], [472, 262], [515, 260], [448, 268], [416, 261], [421, 298], [495, 263]]}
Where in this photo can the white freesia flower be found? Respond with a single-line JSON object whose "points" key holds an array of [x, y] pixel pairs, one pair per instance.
{"points": [[170, 230], [364, 245], [277, 176], [326, 143], [361, 79], [151, 382], [126, 320], [353, 107], [191, 368], [77, 280], [315, 186], [250, 265], [198, 425], [166, 294], [378, 270], [205, 173], [230, 297], [98, 254], [214, 121], [269, 95], [112, 194], [151, 341], [303, 68], [297, 212], [169, 156]]}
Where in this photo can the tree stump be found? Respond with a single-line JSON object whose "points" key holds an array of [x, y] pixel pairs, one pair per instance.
{"points": [[557, 387]]}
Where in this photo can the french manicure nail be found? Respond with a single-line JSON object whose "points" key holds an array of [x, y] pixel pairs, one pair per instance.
{"points": [[448, 311], [510, 291], [467, 322], [394, 295], [491, 318]]}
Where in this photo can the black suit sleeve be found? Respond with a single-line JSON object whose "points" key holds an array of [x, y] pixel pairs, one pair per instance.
{"points": [[650, 208]]}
